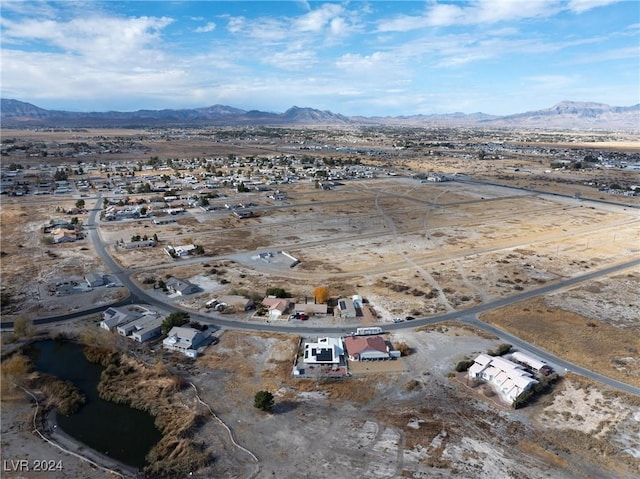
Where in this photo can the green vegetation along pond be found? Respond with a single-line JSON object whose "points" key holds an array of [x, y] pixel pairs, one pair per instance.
{"points": [[115, 430]]}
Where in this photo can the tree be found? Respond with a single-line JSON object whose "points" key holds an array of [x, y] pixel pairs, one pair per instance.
{"points": [[263, 400], [278, 293], [178, 318], [80, 204], [321, 294]]}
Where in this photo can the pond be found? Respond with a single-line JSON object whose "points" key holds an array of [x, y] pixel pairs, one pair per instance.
{"points": [[115, 430]]}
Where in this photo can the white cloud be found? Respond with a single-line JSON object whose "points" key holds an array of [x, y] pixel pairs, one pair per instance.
{"points": [[476, 13], [103, 39], [581, 6], [209, 27], [317, 19]]}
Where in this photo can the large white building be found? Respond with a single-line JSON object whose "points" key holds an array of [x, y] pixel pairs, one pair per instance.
{"points": [[325, 351], [510, 379]]}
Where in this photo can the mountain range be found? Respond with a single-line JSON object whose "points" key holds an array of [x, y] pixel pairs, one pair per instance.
{"points": [[566, 115]]}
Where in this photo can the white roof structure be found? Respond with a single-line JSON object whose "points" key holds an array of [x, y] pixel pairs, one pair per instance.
{"points": [[325, 351], [528, 360], [510, 378]]}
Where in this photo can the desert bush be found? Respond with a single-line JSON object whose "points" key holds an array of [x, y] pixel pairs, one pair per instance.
{"points": [[63, 395], [412, 385], [404, 348], [464, 365], [501, 350]]}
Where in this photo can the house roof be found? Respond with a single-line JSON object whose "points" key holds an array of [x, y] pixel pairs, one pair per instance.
{"points": [[179, 284], [356, 345], [510, 377], [183, 332], [311, 308], [528, 360], [281, 304], [325, 350], [115, 316]]}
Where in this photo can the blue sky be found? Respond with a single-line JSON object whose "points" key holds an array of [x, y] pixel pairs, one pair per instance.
{"points": [[376, 58]]}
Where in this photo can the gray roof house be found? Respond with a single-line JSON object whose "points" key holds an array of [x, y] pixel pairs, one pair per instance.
{"points": [[142, 329], [115, 316], [94, 280], [185, 340], [181, 286]]}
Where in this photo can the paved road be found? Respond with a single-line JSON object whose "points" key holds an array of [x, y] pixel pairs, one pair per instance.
{"points": [[469, 316]]}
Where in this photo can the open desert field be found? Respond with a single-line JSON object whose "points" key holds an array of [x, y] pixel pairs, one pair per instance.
{"points": [[406, 245]]}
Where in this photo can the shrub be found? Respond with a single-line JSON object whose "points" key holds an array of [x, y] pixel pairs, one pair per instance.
{"points": [[464, 365], [278, 293], [500, 350], [263, 400]]}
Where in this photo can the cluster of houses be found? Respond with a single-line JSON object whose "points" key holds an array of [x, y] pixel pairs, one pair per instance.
{"points": [[277, 307], [142, 325]]}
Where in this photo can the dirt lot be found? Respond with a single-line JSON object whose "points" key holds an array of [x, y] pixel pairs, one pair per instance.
{"points": [[408, 248]]}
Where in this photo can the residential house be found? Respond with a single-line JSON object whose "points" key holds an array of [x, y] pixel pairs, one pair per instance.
{"points": [[114, 316], [311, 308], [142, 329], [345, 308], [239, 303], [324, 351], [63, 236], [276, 307], [510, 379], [94, 280], [148, 243], [185, 340], [185, 249], [366, 348], [181, 286]]}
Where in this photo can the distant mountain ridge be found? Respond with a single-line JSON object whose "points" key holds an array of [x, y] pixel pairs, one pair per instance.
{"points": [[564, 115]]}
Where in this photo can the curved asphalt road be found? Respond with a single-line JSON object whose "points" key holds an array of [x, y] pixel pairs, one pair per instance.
{"points": [[468, 316]]}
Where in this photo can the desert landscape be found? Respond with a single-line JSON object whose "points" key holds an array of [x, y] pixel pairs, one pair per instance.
{"points": [[436, 238]]}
